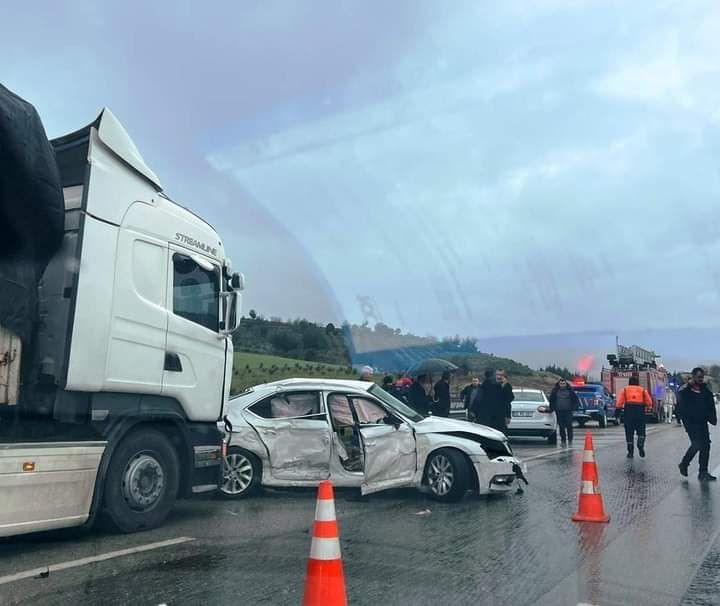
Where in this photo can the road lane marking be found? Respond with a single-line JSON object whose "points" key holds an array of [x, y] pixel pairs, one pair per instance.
{"points": [[46, 570], [545, 454], [599, 440]]}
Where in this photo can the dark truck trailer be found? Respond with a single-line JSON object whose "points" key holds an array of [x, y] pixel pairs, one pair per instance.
{"points": [[116, 308]]}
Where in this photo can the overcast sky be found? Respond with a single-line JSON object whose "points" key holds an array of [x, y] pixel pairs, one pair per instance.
{"points": [[495, 169]]}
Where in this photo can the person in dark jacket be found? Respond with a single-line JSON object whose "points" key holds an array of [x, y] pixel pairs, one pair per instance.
{"points": [[388, 384], [696, 408], [506, 396], [563, 402], [417, 396], [469, 395], [491, 408], [441, 391]]}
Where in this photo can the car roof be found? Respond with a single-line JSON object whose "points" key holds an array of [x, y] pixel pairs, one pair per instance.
{"points": [[265, 389], [322, 383], [530, 389]]}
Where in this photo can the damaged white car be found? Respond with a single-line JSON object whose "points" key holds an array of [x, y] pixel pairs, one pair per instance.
{"points": [[300, 431]]}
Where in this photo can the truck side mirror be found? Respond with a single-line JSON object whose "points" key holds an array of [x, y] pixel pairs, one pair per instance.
{"points": [[232, 308], [237, 281]]}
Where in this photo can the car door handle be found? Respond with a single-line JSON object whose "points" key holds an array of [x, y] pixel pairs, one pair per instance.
{"points": [[370, 444], [271, 432]]}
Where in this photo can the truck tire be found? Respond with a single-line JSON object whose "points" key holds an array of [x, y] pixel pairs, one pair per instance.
{"points": [[142, 481], [447, 473], [602, 421]]}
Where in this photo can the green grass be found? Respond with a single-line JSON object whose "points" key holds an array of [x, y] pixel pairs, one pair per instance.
{"points": [[252, 369]]}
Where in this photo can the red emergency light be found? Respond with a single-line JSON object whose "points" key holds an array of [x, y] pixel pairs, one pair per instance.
{"points": [[578, 381]]}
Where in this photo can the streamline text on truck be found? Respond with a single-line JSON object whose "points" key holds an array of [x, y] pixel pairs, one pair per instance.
{"points": [[111, 393]]}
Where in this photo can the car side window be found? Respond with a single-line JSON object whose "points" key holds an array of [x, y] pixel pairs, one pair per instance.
{"points": [[368, 412], [289, 406]]}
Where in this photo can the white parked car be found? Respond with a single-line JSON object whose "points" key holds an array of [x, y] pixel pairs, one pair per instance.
{"points": [[531, 415], [300, 431]]}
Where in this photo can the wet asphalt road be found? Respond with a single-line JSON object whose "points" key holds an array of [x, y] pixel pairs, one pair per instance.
{"points": [[662, 545]]}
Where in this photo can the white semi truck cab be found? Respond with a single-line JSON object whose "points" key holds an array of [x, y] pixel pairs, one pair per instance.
{"points": [[130, 363]]}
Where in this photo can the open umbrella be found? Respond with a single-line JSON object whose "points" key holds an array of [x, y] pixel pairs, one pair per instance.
{"points": [[430, 366]]}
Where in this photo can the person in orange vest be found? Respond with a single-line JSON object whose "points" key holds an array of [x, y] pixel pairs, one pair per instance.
{"points": [[634, 399]]}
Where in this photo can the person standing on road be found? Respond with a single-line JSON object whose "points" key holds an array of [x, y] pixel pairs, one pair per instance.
{"points": [[417, 396], [668, 405], [696, 408], [441, 402], [366, 374], [634, 399], [490, 406], [469, 395], [564, 401], [388, 384], [506, 397]]}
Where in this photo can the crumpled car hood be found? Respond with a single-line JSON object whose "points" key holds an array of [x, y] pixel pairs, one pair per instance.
{"points": [[443, 424]]}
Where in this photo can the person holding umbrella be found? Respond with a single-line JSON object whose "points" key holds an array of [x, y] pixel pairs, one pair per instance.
{"points": [[441, 400], [417, 396]]}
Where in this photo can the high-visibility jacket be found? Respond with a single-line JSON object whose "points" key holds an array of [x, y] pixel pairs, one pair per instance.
{"points": [[634, 395]]}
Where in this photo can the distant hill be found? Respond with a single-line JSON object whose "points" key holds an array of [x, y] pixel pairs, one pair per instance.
{"points": [[273, 349], [253, 369]]}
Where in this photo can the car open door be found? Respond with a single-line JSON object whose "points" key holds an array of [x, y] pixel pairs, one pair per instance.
{"points": [[390, 453]]}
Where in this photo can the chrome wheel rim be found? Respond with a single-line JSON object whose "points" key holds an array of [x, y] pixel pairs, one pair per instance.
{"points": [[441, 475], [143, 482], [237, 474]]}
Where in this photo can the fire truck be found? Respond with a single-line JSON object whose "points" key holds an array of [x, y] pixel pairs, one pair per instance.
{"points": [[642, 363]]}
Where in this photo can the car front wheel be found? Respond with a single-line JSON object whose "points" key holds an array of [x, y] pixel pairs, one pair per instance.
{"points": [[241, 474], [447, 474]]}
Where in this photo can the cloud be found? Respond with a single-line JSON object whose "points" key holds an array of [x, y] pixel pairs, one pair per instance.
{"points": [[675, 70]]}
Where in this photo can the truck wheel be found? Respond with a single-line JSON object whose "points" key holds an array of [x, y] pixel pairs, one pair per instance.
{"points": [[142, 481], [241, 474], [447, 474], [602, 421], [581, 423]]}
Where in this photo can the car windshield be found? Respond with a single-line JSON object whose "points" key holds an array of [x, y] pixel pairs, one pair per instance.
{"points": [[395, 404], [528, 396]]}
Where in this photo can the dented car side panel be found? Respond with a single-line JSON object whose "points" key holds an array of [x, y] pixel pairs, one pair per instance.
{"points": [[298, 449], [390, 456]]}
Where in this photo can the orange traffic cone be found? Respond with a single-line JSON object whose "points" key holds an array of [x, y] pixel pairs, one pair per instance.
{"points": [[325, 582], [590, 505]]}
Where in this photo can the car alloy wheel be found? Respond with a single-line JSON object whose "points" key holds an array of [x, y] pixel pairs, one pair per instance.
{"points": [[441, 475], [237, 474]]}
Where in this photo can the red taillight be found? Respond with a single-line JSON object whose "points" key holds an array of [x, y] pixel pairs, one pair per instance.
{"points": [[543, 409]]}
